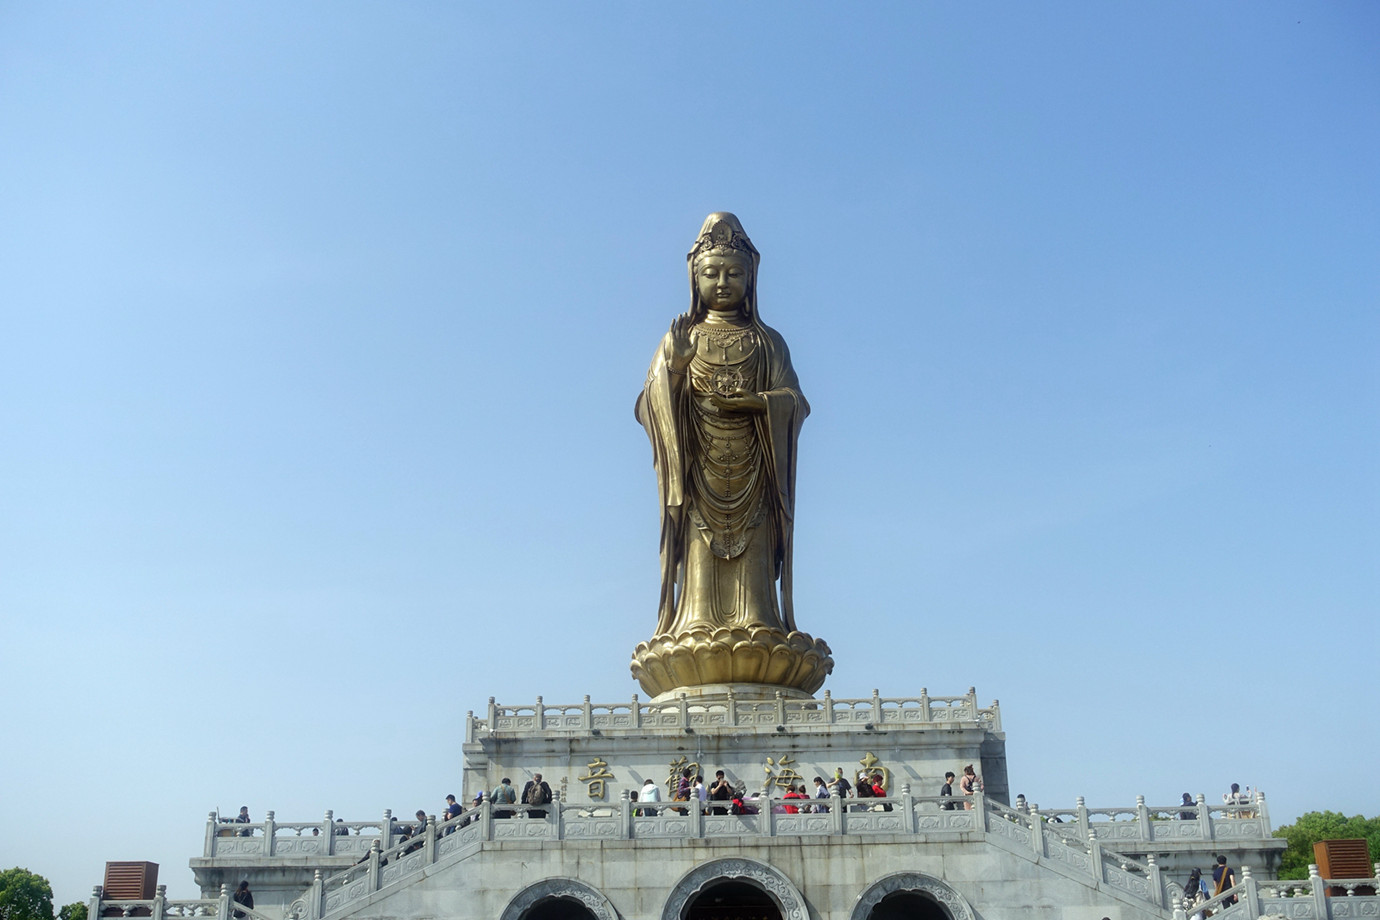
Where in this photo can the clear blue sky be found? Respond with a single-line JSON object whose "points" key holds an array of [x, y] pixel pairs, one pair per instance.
{"points": [[321, 324]]}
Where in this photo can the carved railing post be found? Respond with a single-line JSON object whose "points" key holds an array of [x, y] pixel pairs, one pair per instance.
{"points": [[1261, 810], [764, 814], [268, 834], [493, 716], [329, 830], [429, 845], [160, 900], [836, 807], [372, 874], [684, 713], [223, 909], [486, 818], [828, 708], [696, 816], [1250, 893], [908, 806], [93, 908], [386, 831], [1037, 833], [540, 715], [316, 903], [625, 823], [1143, 818], [780, 709], [732, 708], [1204, 819], [972, 704], [996, 715], [1315, 883], [980, 810], [588, 714], [636, 712], [925, 714], [1156, 884], [1099, 873], [1084, 830], [558, 801], [469, 726], [211, 834], [876, 708]]}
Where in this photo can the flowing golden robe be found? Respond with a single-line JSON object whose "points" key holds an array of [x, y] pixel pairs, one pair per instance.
{"points": [[725, 479]]}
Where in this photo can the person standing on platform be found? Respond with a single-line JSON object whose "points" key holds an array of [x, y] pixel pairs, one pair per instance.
{"points": [[971, 784], [651, 793], [504, 794], [536, 792], [243, 896]]}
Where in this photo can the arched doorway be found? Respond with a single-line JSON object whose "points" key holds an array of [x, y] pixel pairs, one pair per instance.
{"points": [[732, 900], [558, 909], [736, 889], [911, 896], [908, 905], [559, 899]]}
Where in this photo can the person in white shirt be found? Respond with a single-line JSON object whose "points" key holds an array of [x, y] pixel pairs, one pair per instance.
{"points": [[651, 792]]}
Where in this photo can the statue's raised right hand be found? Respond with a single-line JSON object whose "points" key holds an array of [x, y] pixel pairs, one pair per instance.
{"points": [[680, 347]]}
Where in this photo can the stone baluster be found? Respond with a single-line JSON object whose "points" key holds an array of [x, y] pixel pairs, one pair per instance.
{"points": [[1095, 857], [1319, 891], [1037, 831], [93, 908], [996, 715], [925, 714], [372, 873], [212, 832], [836, 807], [558, 803], [625, 824], [972, 704], [588, 714], [386, 831], [493, 716], [1262, 813], [223, 908], [160, 901], [732, 708], [268, 834], [876, 708], [907, 809], [429, 844], [1156, 882], [684, 712], [469, 726], [780, 709], [1143, 818], [328, 829], [1204, 819], [1082, 810], [636, 712], [766, 826], [540, 711], [316, 901], [828, 708], [1250, 893], [980, 809]]}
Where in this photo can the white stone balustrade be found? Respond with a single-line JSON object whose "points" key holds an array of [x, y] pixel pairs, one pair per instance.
{"points": [[924, 711], [1148, 824]]}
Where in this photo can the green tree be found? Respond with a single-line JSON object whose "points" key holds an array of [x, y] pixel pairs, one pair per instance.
{"points": [[74, 911], [1323, 825], [25, 896]]}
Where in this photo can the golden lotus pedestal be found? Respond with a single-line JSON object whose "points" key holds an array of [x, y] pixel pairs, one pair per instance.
{"points": [[755, 662]]}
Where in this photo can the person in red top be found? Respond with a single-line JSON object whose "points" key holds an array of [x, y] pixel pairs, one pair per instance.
{"points": [[879, 791], [792, 794]]}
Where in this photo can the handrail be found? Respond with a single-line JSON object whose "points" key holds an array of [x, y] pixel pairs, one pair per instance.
{"points": [[730, 712]]}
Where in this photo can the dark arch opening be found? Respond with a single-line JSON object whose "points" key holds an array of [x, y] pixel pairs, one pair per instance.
{"points": [[558, 909], [732, 900], [908, 905]]}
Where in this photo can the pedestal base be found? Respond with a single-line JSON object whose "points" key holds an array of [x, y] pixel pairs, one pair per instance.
{"points": [[703, 656]]}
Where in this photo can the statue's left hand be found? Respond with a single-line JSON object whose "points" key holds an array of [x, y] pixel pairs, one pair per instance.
{"points": [[741, 400]]}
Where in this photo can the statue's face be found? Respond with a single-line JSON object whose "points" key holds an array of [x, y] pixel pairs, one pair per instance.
{"points": [[722, 281]]}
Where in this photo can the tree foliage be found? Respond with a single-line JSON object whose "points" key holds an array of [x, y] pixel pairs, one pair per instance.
{"points": [[1323, 825], [74, 911], [25, 896]]}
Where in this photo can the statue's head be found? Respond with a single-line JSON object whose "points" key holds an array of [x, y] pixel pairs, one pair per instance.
{"points": [[723, 246]]}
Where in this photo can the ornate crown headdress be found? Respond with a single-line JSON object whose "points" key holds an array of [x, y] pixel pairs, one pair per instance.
{"points": [[722, 231]]}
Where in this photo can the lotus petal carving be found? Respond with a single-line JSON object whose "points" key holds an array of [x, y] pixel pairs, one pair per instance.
{"points": [[732, 655]]}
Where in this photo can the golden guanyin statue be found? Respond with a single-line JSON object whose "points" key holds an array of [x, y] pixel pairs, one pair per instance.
{"points": [[723, 409]]}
